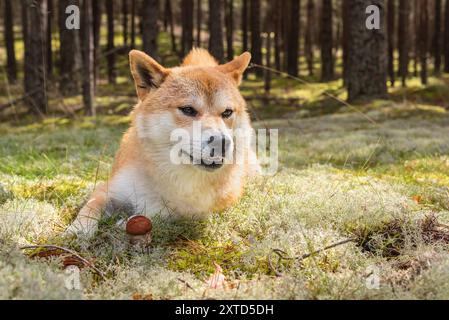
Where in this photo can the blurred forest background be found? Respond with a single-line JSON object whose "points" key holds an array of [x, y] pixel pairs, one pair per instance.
{"points": [[49, 69], [363, 123]]}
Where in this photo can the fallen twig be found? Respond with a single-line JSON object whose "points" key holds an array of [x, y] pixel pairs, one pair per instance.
{"points": [[75, 254], [186, 284], [282, 255]]}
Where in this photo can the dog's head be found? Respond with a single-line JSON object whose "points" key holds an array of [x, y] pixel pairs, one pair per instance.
{"points": [[189, 114]]}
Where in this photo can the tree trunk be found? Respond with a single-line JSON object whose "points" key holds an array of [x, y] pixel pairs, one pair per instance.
{"points": [[256, 42], [187, 26], [416, 24], [69, 52], [326, 39], [367, 53], [345, 38], [269, 27], [199, 19], [308, 41], [49, 61], [133, 24], [216, 29], [169, 15], [285, 31], [437, 37], [229, 11], [404, 39], [11, 64], [267, 73], [110, 46], [23, 5], [125, 21], [35, 55], [293, 39], [96, 16], [150, 13], [245, 25], [423, 39], [338, 35], [88, 55], [277, 13], [390, 30], [446, 37]]}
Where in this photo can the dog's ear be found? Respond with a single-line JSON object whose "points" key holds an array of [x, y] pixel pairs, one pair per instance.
{"points": [[236, 67], [147, 73]]}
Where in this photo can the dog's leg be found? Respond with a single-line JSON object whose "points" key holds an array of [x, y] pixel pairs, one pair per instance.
{"points": [[86, 222]]}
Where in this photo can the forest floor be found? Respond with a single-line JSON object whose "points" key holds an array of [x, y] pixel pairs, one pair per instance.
{"points": [[379, 178], [375, 173]]}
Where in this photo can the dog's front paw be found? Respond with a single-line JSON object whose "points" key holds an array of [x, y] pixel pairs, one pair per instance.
{"points": [[81, 228]]}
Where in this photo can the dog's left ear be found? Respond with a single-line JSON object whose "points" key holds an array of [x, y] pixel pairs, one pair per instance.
{"points": [[236, 67], [147, 73]]}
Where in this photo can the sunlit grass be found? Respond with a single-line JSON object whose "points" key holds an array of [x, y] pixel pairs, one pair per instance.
{"points": [[377, 172], [340, 176]]}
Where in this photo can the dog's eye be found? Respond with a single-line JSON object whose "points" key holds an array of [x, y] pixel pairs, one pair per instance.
{"points": [[227, 113], [188, 111]]}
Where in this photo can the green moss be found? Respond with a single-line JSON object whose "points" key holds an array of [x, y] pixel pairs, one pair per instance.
{"points": [[373, 171]]}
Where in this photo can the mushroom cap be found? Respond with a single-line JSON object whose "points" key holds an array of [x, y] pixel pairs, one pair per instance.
{"points": [[138, 225]]}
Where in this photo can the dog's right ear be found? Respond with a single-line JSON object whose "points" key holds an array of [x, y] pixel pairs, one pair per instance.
{"points": [[147, 73]]}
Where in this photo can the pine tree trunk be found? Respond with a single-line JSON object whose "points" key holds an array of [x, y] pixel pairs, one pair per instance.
{"points": [[23, 13], [437, 37], [229, 11], [69, 52], [277, 34], [88, 54], [199, 18], [133, 24], [96, 16], [110, 51], [125, 22], [293, 39], [165, 17], [326, 40], [423, 39], [446, 37], [390, 30], [308, 41], [256, 42], [11, 64], [338, 35], [345, 38], [35, 55], [169, 15], [269, 27], [285, 31], [404, 39], [187, 26], [150, 30], [367, 53], [245, 25], [49, 59], [416, 24], [216, 29]]}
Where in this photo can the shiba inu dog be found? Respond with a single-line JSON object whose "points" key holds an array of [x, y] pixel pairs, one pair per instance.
{"points": [[144, 177]]}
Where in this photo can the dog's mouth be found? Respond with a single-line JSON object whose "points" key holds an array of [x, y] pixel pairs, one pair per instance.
{"points": [[205, 165]]}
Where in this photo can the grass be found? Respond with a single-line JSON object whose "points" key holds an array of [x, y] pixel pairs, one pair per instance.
{"points": [[340, 177], [381, 179]]}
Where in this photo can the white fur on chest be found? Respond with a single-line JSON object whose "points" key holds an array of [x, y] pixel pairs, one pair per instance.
{"points": [[133, 187], [181, 194]]}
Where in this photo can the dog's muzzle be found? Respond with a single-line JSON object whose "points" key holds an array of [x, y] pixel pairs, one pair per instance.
{"points": [[214, 150]]}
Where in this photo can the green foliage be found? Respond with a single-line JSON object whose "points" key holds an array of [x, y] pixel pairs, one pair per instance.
{"points": [[377, 172], [340, 177]]}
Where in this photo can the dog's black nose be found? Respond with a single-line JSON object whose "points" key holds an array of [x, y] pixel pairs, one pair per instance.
{"points": [[219, 142]]}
